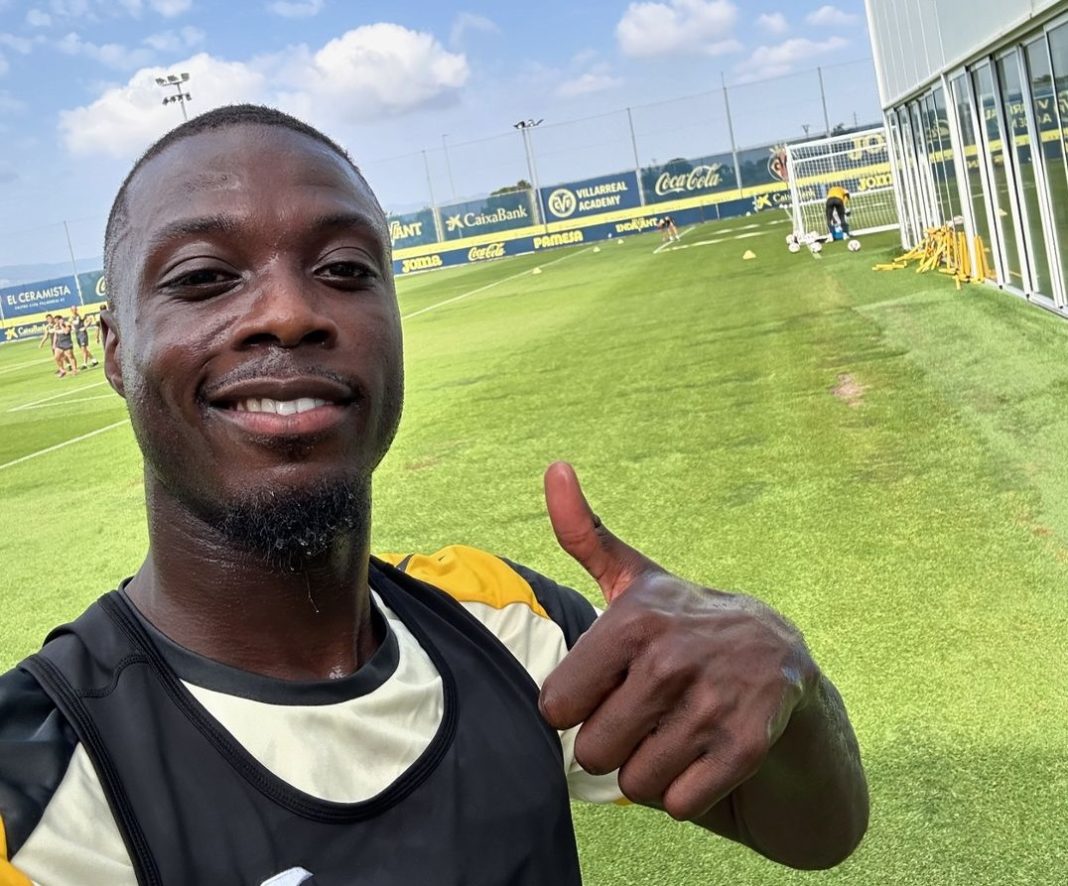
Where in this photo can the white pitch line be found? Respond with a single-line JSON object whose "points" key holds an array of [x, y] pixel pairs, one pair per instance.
{"points": [[56, 396], [464, 295], [125, 421], [18, 366], [663, 246], [67, 402], [71, 442], [718, 240]]}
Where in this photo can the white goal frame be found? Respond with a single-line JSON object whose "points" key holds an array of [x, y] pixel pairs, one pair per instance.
{"points": [[859, 162]]}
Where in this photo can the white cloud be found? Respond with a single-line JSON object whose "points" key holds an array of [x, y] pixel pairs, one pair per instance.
{"points": [[466, 22], [773, 23], [371, 72], [171, 8], [774, 61], [831, 17], [126, 119], [113, 55], [10, 104], [584, 57], [70, 8], [21, 45], [597, 80], [175, 41], [374, 71], [678, 26], [95, 10], [296, 8], [4, 66]]}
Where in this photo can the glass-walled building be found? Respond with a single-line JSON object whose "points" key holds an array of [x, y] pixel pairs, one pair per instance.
{"points": [[975, 94]]}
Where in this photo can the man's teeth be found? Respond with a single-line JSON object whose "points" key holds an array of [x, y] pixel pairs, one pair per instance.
{"points": [[280, 407]]}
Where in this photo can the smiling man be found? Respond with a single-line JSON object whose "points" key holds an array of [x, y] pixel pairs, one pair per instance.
{"points": [[264, 701]]}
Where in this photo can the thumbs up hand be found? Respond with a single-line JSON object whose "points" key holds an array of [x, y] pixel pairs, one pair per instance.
{"points": [[684, 689]]}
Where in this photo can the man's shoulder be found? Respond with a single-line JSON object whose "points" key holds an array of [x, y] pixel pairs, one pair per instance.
{"points": [[485, 581], [36, 746], [24, 708]]}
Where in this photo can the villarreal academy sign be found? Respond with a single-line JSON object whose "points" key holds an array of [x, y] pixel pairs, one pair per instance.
{"points": [[591, 197]]}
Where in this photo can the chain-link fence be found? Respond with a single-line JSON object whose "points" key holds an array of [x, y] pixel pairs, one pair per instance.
{"points": [[724, 120], [429, 193]]}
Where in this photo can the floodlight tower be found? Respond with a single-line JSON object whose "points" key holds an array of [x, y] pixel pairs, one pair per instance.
{"points": [[524, 126], [178, 81]]}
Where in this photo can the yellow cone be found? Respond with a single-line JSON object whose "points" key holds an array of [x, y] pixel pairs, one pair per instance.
{"points": [[749, 255]]}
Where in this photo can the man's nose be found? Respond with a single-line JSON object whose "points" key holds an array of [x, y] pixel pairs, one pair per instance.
{"points": [[288, 311]]}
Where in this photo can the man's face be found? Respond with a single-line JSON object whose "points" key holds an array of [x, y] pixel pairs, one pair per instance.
{"points": [[258, 340]]}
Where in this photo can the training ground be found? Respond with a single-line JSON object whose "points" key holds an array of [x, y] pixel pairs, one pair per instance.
{"points": [[875, 454]]}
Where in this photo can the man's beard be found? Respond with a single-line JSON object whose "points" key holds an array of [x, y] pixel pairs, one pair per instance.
{"points": [[293, 526]]}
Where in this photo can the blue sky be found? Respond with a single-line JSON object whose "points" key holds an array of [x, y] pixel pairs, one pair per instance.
{"points": [[78, 101]]}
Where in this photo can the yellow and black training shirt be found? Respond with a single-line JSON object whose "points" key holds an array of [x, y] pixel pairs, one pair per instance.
{"points": [[126, 759]]}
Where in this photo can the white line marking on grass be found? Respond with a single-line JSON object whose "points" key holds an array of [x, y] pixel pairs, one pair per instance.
{"points": [[464, 295], [48, 449], [56, 396], [66, 402], [18, 366], [718, 240], [667, 243]]}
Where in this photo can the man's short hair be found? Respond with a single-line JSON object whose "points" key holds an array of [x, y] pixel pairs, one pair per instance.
{"points": [[219, 118]]}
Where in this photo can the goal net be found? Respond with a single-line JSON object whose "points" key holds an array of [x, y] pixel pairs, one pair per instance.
{"points": [[858, 162]]}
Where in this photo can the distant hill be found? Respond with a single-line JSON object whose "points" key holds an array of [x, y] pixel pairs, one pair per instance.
{"points": [[15, 275]]}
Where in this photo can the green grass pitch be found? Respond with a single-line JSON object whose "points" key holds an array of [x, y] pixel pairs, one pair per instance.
{"points": [[878, 456]]}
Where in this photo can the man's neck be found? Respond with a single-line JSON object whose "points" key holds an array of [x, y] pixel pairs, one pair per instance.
{"points": [[241, 609]]}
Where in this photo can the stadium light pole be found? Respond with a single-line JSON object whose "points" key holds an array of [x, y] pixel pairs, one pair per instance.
{"points": [[448, 164], [730, 132], [178, 81], [823, 98], [524, 126]]}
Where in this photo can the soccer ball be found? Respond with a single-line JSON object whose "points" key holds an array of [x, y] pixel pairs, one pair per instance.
{"points": [[795, 247], [815, 247], [854, 246]]}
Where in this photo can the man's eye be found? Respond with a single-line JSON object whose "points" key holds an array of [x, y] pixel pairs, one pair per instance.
{"points": [[200, 277], [346, 270]]}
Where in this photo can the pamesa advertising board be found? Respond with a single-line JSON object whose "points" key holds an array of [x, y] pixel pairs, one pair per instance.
{"points": [[514, 222]]}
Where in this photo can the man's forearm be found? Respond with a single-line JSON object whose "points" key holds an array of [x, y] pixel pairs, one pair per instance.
{"points": [[807, 807]]}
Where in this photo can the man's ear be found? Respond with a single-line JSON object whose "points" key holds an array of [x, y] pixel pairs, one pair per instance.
{"points": [[109, 333]]}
